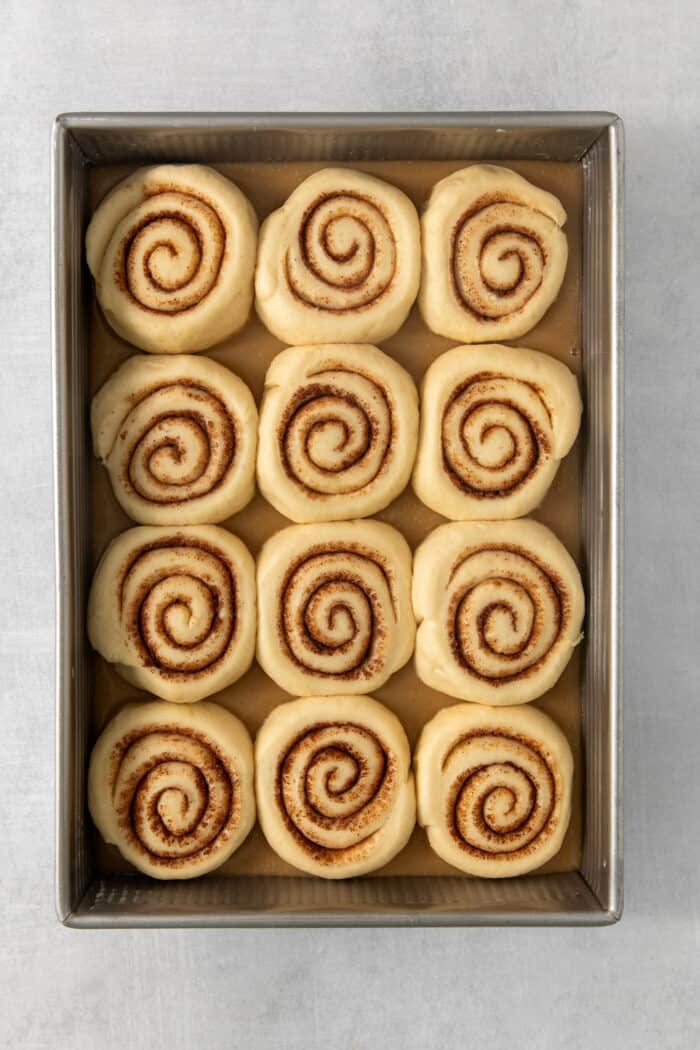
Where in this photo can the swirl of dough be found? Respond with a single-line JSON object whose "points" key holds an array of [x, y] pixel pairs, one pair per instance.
{"points": [[494, 255], [334, 607], [335, 791], [495, 424], [178, 437], [172, 251], [172, 787], [336, 423], [494, 788], [174, 609], [340, 261], [499, 608]]}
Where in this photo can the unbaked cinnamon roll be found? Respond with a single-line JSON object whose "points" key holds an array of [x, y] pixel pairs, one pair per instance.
{"points": [[338, 430], [339, 262], [178, 436], [494, 255], [335, 791], [172, 251], [174, 609], [495, 423], [334, 606], [499, 607], [494, 788], [172, 787]]}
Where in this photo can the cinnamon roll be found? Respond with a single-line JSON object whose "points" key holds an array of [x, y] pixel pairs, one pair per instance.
{"points": [[499, 607], [172, 787], [494, 255], [178, 437], [174, 609], [338, 429], [495, 423], [339, 262], [335, 791], [334, 607], [494, 788], [172, 251]]}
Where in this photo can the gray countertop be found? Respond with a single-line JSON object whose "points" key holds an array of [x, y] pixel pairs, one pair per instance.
{"points": [[633, 985]]}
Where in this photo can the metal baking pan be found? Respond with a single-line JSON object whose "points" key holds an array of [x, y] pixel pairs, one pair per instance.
{"points": [[590, 896]]}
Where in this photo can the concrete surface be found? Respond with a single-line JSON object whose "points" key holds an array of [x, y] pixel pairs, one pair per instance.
{"points": [[635, 985]]}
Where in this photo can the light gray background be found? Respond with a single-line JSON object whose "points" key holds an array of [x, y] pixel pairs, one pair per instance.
{"points": [[635, 985]]}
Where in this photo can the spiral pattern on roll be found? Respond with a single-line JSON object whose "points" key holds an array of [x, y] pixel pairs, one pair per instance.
{"points": [[336, 422], [188, 448], [496, 422], [336, 610], [494, 788], [504, 619], [501, 807], [500, 250], [172, 787], [500, 607], [175, 610], [334, 783], [494, 431], [336, 434], [173, 795], [334, 603], [171, 256], [178, 437], [178, 601], [339, 261], [345, 256], [494, 254], [172, 249]]}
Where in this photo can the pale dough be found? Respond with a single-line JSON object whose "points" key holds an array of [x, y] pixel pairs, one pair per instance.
{"points": [[174, 609], [338, 432], [339, 262], [178, 436], [334, 605], [499, 607], [171, 786], [495, 423], [494, 255], [494, 788], [336, 796], [172, 251]]}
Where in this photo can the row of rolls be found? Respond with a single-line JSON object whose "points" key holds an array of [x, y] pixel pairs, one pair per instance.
{"points": [[493, 610], [491, 607], [178, 787], [178, 261], [339, 428]]}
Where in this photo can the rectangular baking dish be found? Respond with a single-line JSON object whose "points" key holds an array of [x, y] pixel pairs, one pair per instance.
{"points": [[590, 896]]}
